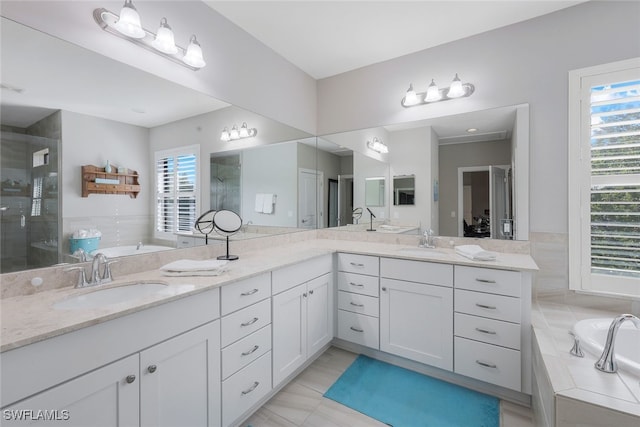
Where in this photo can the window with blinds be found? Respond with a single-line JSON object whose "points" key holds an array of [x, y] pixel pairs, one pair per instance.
{"points": [[615, 179], [604, 178], [176, 190]]}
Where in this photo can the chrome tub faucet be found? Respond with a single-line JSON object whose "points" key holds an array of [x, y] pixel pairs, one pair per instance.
{"points": [[607, 362]]}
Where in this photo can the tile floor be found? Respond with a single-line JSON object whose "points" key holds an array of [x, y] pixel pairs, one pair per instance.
{"points": [[301, 403]]}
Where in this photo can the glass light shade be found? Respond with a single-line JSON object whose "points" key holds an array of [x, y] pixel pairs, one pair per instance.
{"points": [[129, 22], [234, 134], [377, 145], [225, 136], [164, 40], [244, 131], [433, 93], [410, 98], [455, 90], [193, 57]]}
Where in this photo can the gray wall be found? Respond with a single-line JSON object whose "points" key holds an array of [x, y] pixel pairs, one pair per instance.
{"points": [[459, 155]]}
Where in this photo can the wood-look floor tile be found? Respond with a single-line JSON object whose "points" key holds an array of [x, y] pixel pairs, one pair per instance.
{"points": [[333, 414], [265, 418], [295, 402]]}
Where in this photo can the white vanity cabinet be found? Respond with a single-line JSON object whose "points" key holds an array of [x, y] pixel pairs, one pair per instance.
{"points": [[416, 311], [491, 311], [141, 368], [302, 314], [358, 305], [246, 345]]}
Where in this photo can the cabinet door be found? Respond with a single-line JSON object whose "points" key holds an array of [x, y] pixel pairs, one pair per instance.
{"points": [[180, 380], [416, 322], [108, 396], [289, 332], [319, 313]]}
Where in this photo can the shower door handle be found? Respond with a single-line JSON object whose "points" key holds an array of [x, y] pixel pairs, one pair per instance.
{"points": [[23, 221]]}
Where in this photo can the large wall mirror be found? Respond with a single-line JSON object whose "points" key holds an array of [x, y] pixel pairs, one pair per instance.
{"points": [[463, 175], [85, 109]]}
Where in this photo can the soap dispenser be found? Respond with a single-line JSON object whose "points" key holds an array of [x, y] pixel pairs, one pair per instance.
{"points": [[107, 167]]}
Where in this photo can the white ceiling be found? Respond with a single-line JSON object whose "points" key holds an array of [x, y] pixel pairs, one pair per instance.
{"points": [[325, 38]]}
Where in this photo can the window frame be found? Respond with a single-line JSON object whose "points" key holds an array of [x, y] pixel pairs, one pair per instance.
{"points": [[581, 278], [175, 153]]}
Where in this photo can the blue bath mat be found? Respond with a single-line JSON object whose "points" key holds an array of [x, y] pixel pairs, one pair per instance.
{"points": [[403, 398]]}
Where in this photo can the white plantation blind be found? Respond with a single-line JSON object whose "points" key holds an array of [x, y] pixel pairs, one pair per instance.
{"points": [[609, 177], [176, 190]]}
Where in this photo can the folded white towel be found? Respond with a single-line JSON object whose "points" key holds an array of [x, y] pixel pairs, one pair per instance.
{"points": [[475, 252], [194, 273], [259, 202], [268, 201], [190, 265]]}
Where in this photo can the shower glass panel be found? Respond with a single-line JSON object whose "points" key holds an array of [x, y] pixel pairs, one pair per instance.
{"points": [[29, 204], [225, 182]]}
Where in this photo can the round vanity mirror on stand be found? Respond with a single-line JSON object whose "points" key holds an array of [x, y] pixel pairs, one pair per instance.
{"points": [[227, 223], [204, 224]]}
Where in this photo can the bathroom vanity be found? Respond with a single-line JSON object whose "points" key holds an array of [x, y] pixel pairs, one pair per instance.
{"points": [[215, 349]]}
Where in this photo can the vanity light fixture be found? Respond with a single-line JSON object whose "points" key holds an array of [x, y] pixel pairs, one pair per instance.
{"points": [[235, 133], [127, 26], [457, 89], [377, 145]]}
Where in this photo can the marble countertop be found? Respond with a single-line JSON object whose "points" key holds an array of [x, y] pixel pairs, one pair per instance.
{"points": [[577, 378], [30, 318]]}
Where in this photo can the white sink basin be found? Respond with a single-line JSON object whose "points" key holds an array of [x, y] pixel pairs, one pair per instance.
{"points": [[104, 297], [423, 252]]}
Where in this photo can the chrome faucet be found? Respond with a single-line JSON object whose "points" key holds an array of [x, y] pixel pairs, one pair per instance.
{"points": [[427, 240], [98, 259], [607, 362], [139, 245]]}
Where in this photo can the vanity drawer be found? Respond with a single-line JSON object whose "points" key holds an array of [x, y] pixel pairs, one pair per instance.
{"points": [[244, 389], [491, 331], [358, 283], [244, 293], [357, 303], [500, 282], [487, 305], [293, 275], [417, 271], [486, 362], [242, 352], [241, 323], [359, 329], [361, 264]]}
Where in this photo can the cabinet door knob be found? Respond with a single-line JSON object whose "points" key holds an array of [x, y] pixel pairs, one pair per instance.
{"points": [[384, 289], [152, 368], [304, 295], [130, 378], [311, 292]]}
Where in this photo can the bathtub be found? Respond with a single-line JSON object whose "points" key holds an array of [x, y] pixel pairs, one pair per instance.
{"points": [[117, 251], [593, 335]]}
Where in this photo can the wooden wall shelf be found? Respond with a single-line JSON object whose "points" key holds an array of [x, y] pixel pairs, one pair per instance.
{"points": [[127, 182]]}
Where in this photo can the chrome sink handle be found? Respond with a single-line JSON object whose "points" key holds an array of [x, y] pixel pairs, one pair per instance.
{"points": [[82, 276], [576, 350], [107, 276]]}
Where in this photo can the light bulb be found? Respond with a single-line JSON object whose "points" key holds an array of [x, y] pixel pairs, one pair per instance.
{"points": [[164, 40], [433, 93], [225, 136], [244, 131], [193, 57], [410, 98], [234, 132], [129, 21], [455, 90]]}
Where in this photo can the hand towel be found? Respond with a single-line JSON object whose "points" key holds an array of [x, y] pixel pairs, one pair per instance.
{"points": [[269, 200], [190, 265], [194, 273], [259, 202], [475, 253]]}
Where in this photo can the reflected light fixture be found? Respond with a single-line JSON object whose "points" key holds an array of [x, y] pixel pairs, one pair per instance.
{"points": [[235, 133], [127, 26], [457, 89], [377, 145]]}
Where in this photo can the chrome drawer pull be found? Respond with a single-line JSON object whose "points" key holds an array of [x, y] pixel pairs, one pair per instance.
{"points": [[250, 322], [355, 264], [250, 389], [253, 350], [485, 280], [486, 331], [251, 292], [488, 307], [488, 365], [358, 285], [356, 305], [353, 328]]}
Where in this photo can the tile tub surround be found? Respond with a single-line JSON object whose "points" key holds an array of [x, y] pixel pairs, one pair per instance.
{"points": [[568, 390], [41, 321]]}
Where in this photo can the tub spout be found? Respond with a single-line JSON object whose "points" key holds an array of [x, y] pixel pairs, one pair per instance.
{"points": [[607, 362]]}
